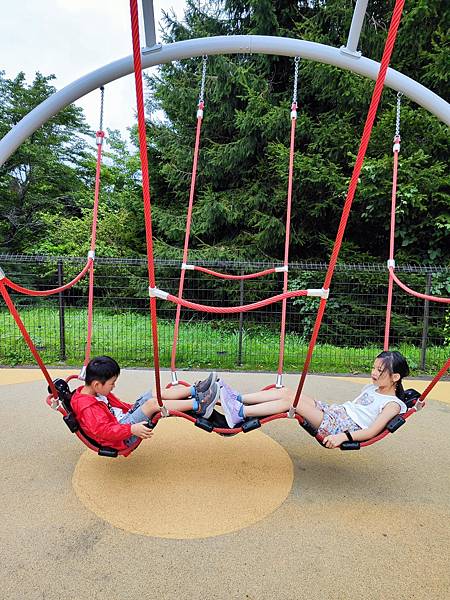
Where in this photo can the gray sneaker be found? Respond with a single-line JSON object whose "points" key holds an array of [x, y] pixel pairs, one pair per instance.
{"points": [[207, 400], [203, 386]]}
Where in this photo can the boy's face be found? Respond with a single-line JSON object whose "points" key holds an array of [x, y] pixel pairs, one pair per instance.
{"points": [[104, 388]]}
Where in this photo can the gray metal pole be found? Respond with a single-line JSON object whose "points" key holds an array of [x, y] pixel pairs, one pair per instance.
{"points": [[149, 25], [426, 323], [233, 44], [355, 29], [62, 326]]}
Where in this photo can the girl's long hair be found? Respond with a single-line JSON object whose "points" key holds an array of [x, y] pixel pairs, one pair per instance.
{"points": [[395, 362]]}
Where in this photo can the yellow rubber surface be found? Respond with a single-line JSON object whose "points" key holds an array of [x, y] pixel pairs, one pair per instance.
{"points": [[183, 471]]}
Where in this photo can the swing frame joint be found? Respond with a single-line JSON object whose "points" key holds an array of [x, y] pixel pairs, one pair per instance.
{"points": [[319, 293], [291, 413], [157, 293], [283, 269], [187, 267], [91, 254], [391, 263]]}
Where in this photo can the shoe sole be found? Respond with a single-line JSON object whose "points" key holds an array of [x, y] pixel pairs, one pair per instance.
{"points": [[231, 424], [213, 380], [210, 407]]}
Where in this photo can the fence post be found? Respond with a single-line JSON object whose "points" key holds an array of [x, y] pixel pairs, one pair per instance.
{"points": [[62, 328], [241, 320], [426, 322]]}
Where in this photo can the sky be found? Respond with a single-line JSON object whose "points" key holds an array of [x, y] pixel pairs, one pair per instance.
{"points": [[70, 38]]}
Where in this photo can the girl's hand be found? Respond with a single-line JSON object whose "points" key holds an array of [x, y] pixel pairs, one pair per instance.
{"points": [[141, 430], [334, 441]]}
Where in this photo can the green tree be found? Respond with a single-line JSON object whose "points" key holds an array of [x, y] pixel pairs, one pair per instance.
{"points": [[48, 172]]}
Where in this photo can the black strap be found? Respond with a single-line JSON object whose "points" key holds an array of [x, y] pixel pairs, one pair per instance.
{"points": [[349, 435]]}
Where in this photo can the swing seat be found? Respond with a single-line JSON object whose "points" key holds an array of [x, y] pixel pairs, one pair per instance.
{"points": [[65, 396]]}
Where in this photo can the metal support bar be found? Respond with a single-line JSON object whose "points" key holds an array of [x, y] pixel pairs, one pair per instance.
{"points": [[233, 44], [355, 29], [149, 23]]}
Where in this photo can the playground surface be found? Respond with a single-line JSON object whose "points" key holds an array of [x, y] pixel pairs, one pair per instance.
{"points": [[192, 515]]}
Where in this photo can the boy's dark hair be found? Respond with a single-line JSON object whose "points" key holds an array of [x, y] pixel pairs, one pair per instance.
{"points": [[395, 362], [101, 368]]}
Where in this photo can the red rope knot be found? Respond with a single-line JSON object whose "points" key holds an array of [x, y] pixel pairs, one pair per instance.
{"points": [[99, 136], [396, 146], [201, 106], [294, 110]]}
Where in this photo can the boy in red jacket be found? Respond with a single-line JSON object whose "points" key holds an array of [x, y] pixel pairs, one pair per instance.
{"points": [[118, 424]]}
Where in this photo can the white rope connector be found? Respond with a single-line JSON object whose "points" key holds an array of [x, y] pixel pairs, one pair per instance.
{"points": [[91, 254], [396, 147], [174, 378], [186, 267], [200, 113], [157, 293], [291, 412], [283, 269], [319, 293], [164, 411], [293, 114], [419, 405], [82, 375], [99, 140], [391, 263], [2, 273], [279, 383]]}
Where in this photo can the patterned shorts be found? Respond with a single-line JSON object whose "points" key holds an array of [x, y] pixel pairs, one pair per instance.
{"points": [[335, 419]]}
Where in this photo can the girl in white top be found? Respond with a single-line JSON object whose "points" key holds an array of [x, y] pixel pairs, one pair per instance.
{"points": [[359, 419]]}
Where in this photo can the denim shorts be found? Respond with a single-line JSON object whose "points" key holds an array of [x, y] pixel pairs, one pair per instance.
{"points": [[135, 415], [335, 419]]}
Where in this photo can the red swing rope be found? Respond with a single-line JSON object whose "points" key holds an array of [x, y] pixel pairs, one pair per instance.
{"points": [[145, 187], [391, 262], [99, 140], [226, 276], [288, 223], [200, 108], [376, 96]]}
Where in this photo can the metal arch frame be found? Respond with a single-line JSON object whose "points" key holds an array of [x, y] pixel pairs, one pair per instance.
{"points": [[246, 44]]}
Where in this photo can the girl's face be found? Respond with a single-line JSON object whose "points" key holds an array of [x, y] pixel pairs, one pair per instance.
{"points": [[381, 376]]}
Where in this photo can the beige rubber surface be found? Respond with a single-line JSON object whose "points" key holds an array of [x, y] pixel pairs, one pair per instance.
{"points": [[372, 524]]}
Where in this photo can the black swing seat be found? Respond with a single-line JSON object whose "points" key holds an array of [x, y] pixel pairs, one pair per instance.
{"points": [[65, 396], [410, 398], [218, 421]]}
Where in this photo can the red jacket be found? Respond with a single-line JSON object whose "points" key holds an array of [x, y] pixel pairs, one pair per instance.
{"points": [[98, 422]]}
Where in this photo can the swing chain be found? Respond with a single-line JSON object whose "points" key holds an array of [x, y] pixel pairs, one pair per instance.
{"points": [[397, 119], [296, 67], [102, 99], [202, 86]]}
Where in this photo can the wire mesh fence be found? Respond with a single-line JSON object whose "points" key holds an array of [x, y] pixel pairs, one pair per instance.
{"points": [[352, 331]]}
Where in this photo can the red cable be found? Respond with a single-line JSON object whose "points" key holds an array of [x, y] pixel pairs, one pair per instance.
{"points": [[145, 186], [417, 294], [27, 337], [237, 277], [28, 292], [432, 383], [287, 237], [201, 105], [234, 309], [90, 312], [378, 89], [391, 242]]}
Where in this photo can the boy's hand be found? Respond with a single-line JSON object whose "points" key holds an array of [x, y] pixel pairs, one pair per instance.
{"points": [[141, 430], [334, 441]]}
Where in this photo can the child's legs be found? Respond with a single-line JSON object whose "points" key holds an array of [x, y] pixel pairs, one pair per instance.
{"points": [[183, 403], [271, 395], [278, 401]]}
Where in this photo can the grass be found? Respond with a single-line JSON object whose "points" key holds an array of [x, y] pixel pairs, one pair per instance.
{"points": [[202, 345]]}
